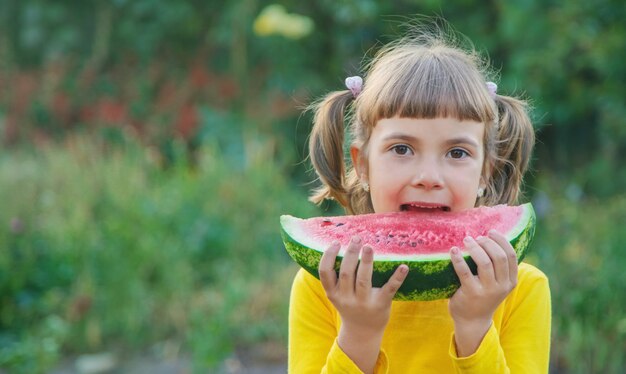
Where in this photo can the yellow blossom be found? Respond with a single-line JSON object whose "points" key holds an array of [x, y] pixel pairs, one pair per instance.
{"points": [[274, 20]]}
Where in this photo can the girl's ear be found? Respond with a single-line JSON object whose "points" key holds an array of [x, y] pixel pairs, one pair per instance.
{"points": [[360, 165], [482, 186], [486, 176]]}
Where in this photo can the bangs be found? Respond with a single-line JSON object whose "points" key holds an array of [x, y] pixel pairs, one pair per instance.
{"points": [[425, 82]]}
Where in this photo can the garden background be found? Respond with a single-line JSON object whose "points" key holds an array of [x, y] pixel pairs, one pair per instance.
{"points": [[149, 147]]}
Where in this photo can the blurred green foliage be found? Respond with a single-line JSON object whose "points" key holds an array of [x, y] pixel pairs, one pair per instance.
{"points": [[579, 245], [149, 67], [116, 249], [149, 148]]}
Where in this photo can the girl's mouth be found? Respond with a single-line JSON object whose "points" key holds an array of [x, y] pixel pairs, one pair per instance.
{"points": [[423, 207]]}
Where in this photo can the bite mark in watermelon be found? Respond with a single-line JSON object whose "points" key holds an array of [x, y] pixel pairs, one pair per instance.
{"points": [[420, 240]]}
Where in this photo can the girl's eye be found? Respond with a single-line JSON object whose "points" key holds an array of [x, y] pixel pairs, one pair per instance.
{"points": [[401, 149], [458, 153]]}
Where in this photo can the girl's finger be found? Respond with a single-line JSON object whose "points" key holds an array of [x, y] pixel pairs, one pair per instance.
{"points": [[468, 280], [498, 258], [326, 268], [347, 270], [486, 273], [392, 286], [364, 272], [510, 253]]}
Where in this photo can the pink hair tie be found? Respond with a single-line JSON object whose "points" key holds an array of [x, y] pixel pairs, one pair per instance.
{"points": [[355, 84], [492, 88]]}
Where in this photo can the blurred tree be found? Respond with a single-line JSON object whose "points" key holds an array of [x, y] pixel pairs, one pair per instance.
{"points": [[566, 57], [137, 55]]}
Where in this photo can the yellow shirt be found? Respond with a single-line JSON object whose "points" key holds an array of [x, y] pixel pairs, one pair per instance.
{"points": [[419, 337]]}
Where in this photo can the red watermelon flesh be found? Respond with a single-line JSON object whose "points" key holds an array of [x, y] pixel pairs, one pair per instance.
{"points": [[405, 234]]}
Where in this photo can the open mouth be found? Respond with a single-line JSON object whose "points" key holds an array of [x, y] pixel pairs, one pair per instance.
{"points": [[422, 207]]}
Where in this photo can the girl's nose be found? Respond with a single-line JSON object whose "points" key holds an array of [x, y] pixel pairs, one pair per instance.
{"points": [[428, 177]]}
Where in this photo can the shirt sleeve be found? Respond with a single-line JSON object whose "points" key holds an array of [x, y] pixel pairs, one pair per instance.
{"points": [[522, 343], [313, 332]]}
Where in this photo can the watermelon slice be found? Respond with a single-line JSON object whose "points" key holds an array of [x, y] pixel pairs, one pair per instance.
{"points": [[421, 240]]}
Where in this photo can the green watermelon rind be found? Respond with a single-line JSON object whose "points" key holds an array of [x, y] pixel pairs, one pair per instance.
{"points": [[429, 279]]}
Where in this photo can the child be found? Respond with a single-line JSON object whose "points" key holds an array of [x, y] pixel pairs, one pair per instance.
{"points": [[428, 133]]}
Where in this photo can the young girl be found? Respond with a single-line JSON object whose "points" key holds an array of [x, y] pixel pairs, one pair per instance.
{"points": [[427, 133]]}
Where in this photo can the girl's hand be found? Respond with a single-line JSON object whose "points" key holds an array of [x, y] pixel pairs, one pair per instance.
{"points": [[474, 303], [364, 309]]}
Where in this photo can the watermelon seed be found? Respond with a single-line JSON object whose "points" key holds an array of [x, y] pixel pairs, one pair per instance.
{"points": [[413, 244], [390, 235], [339, 224]]}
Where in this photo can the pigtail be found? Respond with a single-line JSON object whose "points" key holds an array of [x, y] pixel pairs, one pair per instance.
{"points": [[515, 138], [326, 147]]}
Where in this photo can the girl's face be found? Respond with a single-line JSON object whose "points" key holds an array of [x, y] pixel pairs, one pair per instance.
{"points": [[423, 164]]}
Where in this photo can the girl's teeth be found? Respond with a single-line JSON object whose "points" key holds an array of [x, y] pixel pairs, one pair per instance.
{"points": [[419, 207]]}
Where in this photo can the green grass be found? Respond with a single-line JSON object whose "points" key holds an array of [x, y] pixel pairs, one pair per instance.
{"points": [[116, 251], [581, 247], [110, 248]]}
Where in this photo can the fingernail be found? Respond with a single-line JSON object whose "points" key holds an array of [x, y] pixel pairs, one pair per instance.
{"points": [[468, 239], [335, 244], [455, 251], [480, 238], [367, 250], [356, 240], [492, 232], [404, 269]]}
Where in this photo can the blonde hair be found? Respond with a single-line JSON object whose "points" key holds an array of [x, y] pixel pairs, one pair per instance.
{"points": [[422, 76]]}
